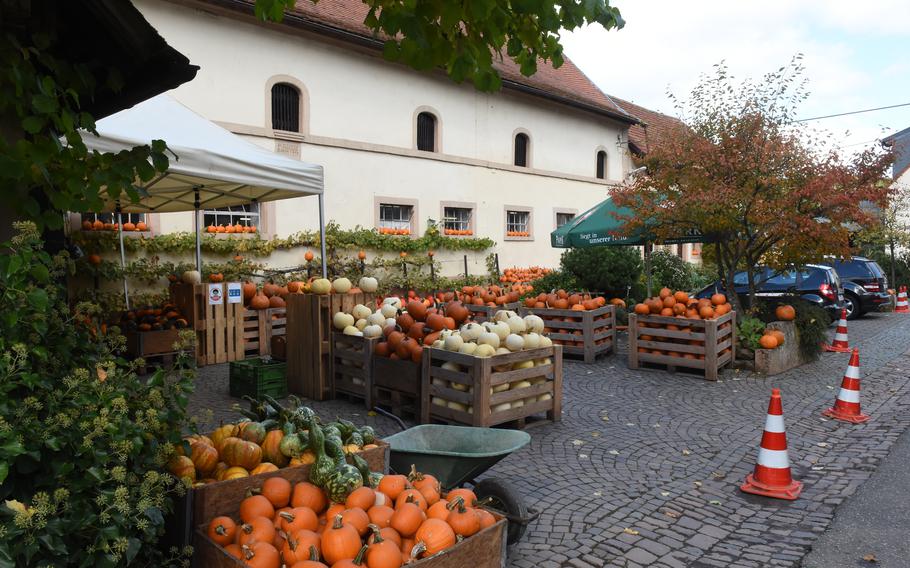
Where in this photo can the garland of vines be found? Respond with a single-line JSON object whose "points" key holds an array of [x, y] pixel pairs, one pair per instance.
{"points": [[336, 238]]}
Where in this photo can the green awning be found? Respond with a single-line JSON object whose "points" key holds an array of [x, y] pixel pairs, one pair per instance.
{"points": [[602, 225]]}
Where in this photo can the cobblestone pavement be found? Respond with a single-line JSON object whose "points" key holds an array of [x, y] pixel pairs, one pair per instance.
{"points": [[644, 468]]}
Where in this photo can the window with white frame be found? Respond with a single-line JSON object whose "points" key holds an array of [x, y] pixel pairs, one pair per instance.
{"points": [[395, 218], [601, 165], [563, 218], [457, 221], [246, 215], [518, 223]]}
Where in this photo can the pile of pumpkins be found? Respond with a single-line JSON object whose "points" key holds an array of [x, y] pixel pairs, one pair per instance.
{"points": [[149, 318], [238, 228], [394, 521], [97, 225], [506, 332], [774, 338], [492, 295], [270, 438], [517, 275], [274, 296], [678, 304], [562, 300]]}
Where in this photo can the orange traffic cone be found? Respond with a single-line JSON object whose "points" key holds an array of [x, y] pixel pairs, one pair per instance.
{"points": [[771, 477], [846, 406], [840, 343], [902, 307]]}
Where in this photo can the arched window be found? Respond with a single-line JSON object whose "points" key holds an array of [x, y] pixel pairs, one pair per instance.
{"points": [[602, 164], [285, 107], [522, 146], [426, 132]]}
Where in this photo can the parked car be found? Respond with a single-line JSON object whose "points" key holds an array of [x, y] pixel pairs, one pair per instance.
{"points": [[865, 285], [814, 283]]}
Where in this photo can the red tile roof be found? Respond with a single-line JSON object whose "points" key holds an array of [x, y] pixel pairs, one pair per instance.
{"points": [[567, 84], [653, 126]]}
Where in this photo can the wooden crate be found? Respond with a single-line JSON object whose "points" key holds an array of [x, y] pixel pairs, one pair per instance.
{"points": [[397, 386], [485, 549], [309, 329], [146, 343], [481, 314], [223, 497], [597, 327], [710, 344], [480, 375], [352, 366], [259, 327]]}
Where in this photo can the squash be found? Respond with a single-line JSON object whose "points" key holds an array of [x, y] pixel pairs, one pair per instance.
{"points": [[342, 320], [182, 467], [204, 457], [339, 542], [222, 530], [484, 350], [768, 341], [341, 286], [515, 342], [433, 536], [368, 284], [191, 277], [233, 473], [361, 312], [240, 453], [271, 448], [464, 521], [321, 286], [777, 334], [785, 312], [382, 553], [291, 446], [259, 301], [471, 331], [532, 340], [254, 432], [534, 323], [488, 338]]}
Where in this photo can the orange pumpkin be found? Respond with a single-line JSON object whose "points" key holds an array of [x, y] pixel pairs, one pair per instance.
{"points": [[433, 537], [271, 451], [778, 334], [277, 490], [768, 341], [785, 313], [222, 530], [339, 541], [256, 506]]}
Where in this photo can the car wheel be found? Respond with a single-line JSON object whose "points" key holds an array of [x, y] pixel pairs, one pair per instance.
{"points": [[851, 303]]}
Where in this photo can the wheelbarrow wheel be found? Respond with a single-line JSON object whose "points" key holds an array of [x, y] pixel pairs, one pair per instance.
{"points": [[502, 497]]}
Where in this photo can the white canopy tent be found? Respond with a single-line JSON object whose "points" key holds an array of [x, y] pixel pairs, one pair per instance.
{"points": [[209, 166]]}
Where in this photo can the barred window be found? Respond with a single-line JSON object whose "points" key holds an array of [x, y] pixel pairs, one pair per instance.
{"points": [[522, 144], [285, 107], [426, 132], [246, 215], [457, 221], [395, 217], [88, 219], [563, 218], [518, 222]]}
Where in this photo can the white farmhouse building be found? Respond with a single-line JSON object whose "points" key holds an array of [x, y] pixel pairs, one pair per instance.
{"points": [[398, 146]]}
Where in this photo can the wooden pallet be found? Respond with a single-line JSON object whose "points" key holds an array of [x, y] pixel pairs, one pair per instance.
{"points": [[587, 334], [481, 314], [397, 386], [309, 329], [352, 366], [479, 374], [259, 327], [703, 345]]}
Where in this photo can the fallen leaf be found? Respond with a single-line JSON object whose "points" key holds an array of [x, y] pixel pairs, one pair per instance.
{"points": [[629, 424], [672, 514], [818, 467], [595, 434], [870, 558], [822, 444], [577, 442], [698, 484], [718, 475], [371, 413], [102, 374], [582, 456], [686, 452], [597, 493], [665, 493], [829, 387], [614, 452], [657, 425], [629, 531], [714, 502]]}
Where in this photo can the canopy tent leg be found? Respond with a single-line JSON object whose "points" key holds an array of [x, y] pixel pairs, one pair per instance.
{"points": [[325, 271], [126, 287], [648, 268], [197, 226]]}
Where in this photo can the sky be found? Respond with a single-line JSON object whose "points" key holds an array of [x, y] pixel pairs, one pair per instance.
{"points": [[856, 55]]}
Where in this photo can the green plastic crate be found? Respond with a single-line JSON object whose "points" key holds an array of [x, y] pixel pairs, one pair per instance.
{"points": [[257, 378]]}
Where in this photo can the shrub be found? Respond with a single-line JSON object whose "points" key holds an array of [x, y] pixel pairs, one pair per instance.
{"points": [[669, 270], [611, 270], [83, 440], [556, 280], [749, 331]]}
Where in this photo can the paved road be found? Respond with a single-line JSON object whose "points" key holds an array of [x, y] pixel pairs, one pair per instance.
{"points": [[644, 468], [875, 521]]}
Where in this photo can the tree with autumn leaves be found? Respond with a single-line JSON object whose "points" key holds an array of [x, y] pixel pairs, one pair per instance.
{"points": [[760, 186]]}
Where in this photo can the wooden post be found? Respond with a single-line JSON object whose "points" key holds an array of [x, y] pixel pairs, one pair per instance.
{"points": [[711, 350], [465, 266], [556, 414], [425, 395], [633, 341], [482, 411]]}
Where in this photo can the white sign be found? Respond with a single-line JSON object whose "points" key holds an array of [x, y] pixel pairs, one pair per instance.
{"points": [[216, 295], [235, 293]]}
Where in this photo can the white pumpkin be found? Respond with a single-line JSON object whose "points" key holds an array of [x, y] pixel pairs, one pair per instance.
{"points": [[532, 340], [361, 312], [523, 365], [191, 277], [503, 315], [392, 301], [470, 331], [440, 382], [372, 331], [376, 318], [437, 401], [457, 406], [485, 350], [321, 286], [388, 311], [489, 338], [544, 396], [468, 348], [516, 324], [534, 323], [545, 341], [451, 366], [342, 320], [390, 321], [537, 380], [360, 324], [514, 342], [519, 385], [502, 407], [518, 403], [453, 342], [368, 284], [351, 330], [438, 344], [342, 285], [502, 387], [502, 329], [459, 386]]}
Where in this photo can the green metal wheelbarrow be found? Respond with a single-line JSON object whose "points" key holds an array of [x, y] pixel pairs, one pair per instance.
{"points": [[457, 455]]}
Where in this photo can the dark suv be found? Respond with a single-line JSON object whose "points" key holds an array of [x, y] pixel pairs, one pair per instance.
{"points": [[865, 285], [814, 283]]}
